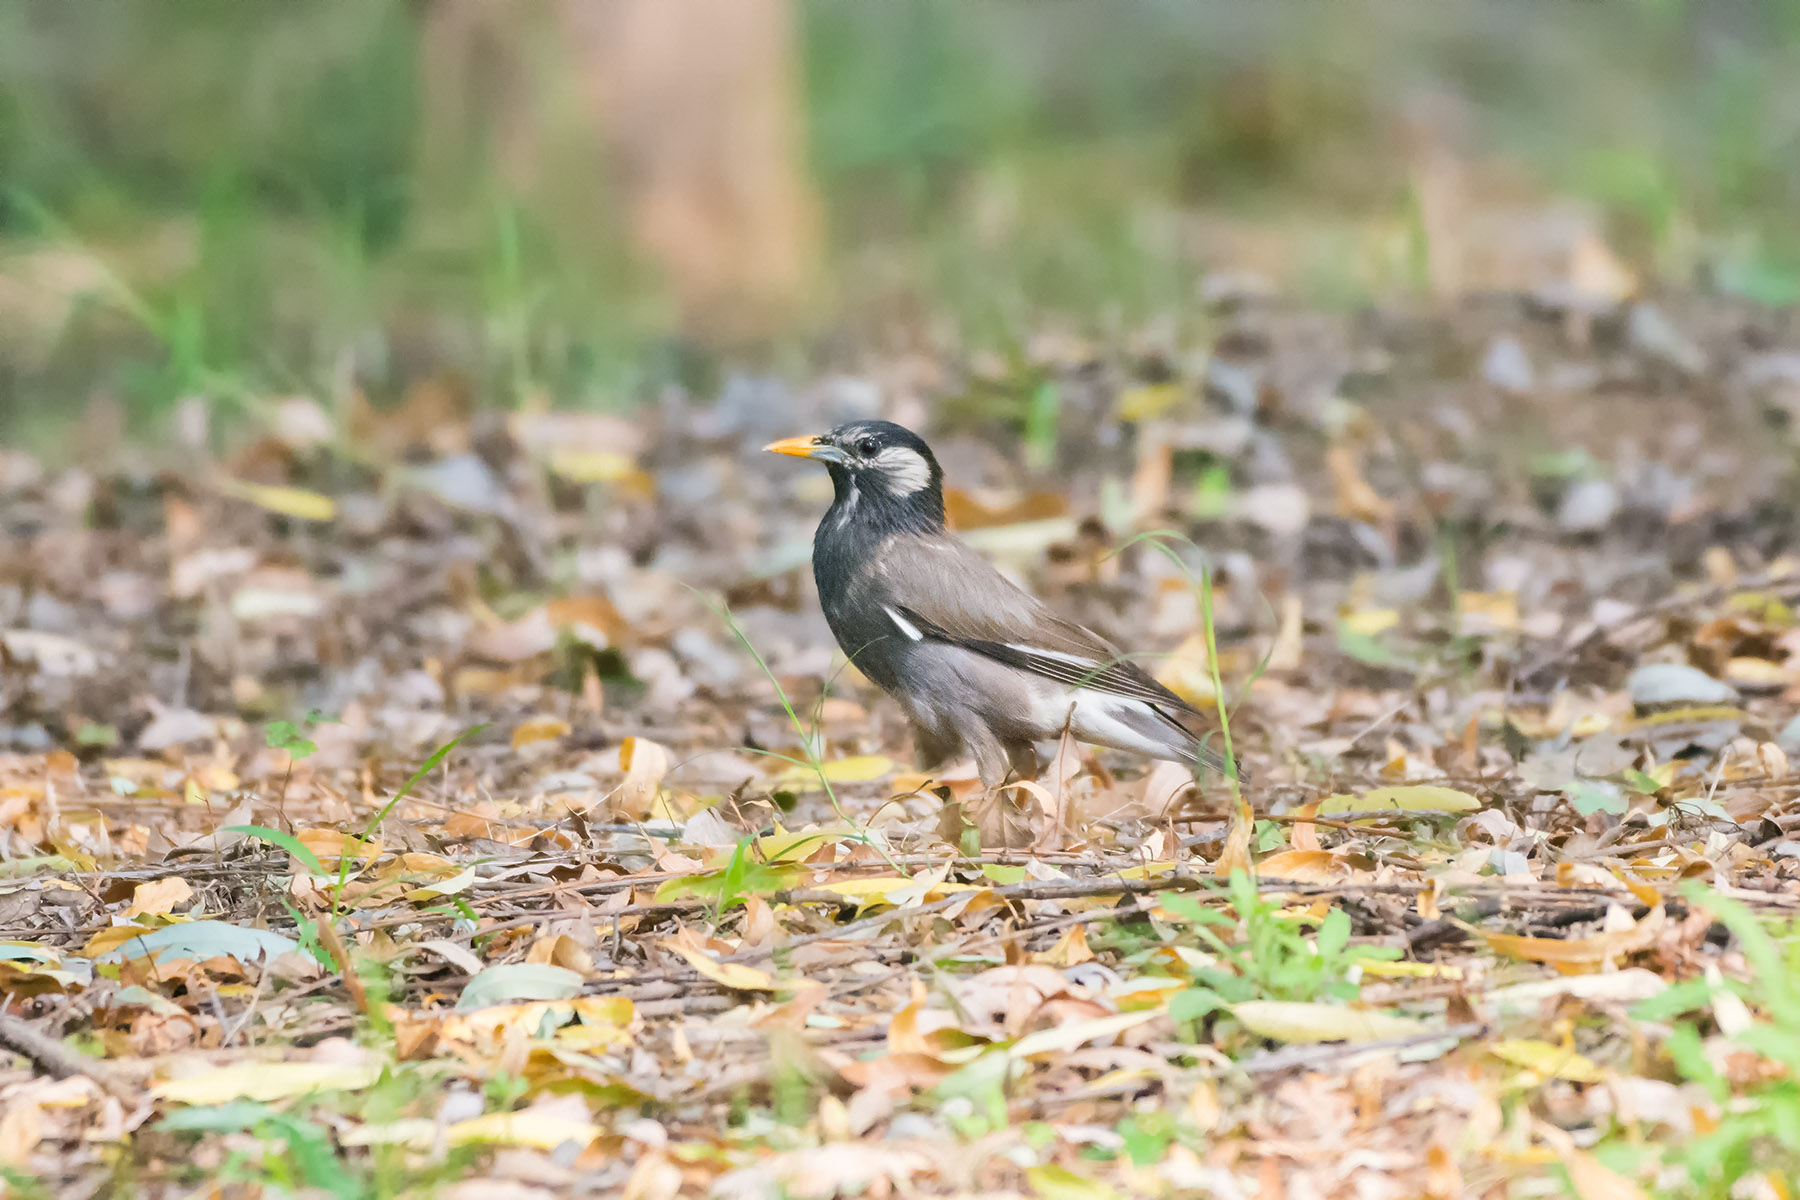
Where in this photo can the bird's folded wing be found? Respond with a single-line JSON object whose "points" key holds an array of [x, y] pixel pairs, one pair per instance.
{"points": [[944, 591]]}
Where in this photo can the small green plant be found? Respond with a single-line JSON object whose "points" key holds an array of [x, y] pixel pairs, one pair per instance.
{"points": [[1043, 415], [291, 737], [1165, 541], [1148, 1135], [304, 855], [1759, 1126], [18, 1183], [973, 1097], [810, 740], [318, 937], [295, 1154], [1258, 955]]}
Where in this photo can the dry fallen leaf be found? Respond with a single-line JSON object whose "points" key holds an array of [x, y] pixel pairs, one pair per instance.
{"points": [[266, 1081], [645, 763], [159, 896], [1580, 952], [285, 501], [1305, 866], [1236, 854], [1355, 498], [689, 945], [1419, 797], [1547, 1061], [862, 768], [999, 821], [1069, 949], [1299, 1021], [538, 729], [1593, 1179]]}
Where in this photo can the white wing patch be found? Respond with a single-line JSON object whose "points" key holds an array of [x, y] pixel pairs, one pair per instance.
{"points": [[1098, 718], [903, 470], [906, 626], [1072, 659]]}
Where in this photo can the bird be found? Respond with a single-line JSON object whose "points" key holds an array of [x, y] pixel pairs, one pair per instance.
{"points": [[981, 667]]}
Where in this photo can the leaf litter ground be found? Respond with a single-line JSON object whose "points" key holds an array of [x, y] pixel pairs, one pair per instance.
{"points": [[1507, 638]]}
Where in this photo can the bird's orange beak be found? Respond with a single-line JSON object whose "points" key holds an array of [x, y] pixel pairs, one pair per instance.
{"points": [[799, 447]]}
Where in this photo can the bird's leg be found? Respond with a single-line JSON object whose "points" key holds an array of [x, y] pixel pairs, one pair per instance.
{"points": [[1023, 756], [933, 749], [992, 762]]}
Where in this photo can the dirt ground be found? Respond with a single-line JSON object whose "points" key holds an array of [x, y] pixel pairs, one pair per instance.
{"points": [[1503, 603]]}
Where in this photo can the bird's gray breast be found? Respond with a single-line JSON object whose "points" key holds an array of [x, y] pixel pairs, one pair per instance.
{"points": [[853, 591]]}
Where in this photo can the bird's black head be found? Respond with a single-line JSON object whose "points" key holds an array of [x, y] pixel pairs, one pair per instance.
{"points": [[882, 472]]}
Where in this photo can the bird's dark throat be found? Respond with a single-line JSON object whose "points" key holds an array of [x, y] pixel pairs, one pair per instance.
{"points": [[862, 502]]}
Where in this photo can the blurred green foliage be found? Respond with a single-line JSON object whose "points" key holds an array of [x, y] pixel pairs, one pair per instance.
{"points": [[224, 197]]}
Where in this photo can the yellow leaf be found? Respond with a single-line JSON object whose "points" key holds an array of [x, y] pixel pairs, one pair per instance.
{"points": [[1148, 400], [895, 889], [1150, 870], [1051, 1182], [1060, 1039], [591, 1037], [538, 729], [593, 466], [870, 887], [1407, 970], [110, 939], [783, 846], [1704, 714], [1070, 949], [417, 1133], [737, 976], [1299, 1021], [461, 881], [267, 1081], [542, 1131], [860, 768], [1370, 621], [1755, 673], [1547, 1060], [1236, 854], [1417, 797], [159, 896], [286, 501], [1488, 612], [605, 1011], [1146, 991]]}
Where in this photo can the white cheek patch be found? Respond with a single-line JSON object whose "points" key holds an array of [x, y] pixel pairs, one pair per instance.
{"points": [[903, 470]]}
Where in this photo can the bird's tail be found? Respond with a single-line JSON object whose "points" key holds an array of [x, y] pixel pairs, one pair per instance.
{"points": [[1197, 751]]}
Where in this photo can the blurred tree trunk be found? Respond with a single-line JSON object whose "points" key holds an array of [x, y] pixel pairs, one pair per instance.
{"points": [[693, 108]]}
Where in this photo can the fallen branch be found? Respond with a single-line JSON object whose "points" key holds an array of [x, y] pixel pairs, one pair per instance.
{"points": [[53, 1058]]}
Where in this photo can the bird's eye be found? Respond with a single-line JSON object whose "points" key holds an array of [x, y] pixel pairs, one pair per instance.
{"points": [[867, 447]]}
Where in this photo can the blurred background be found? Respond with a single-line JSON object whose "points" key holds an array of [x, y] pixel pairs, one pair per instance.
{"points": [[556, 202]]}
